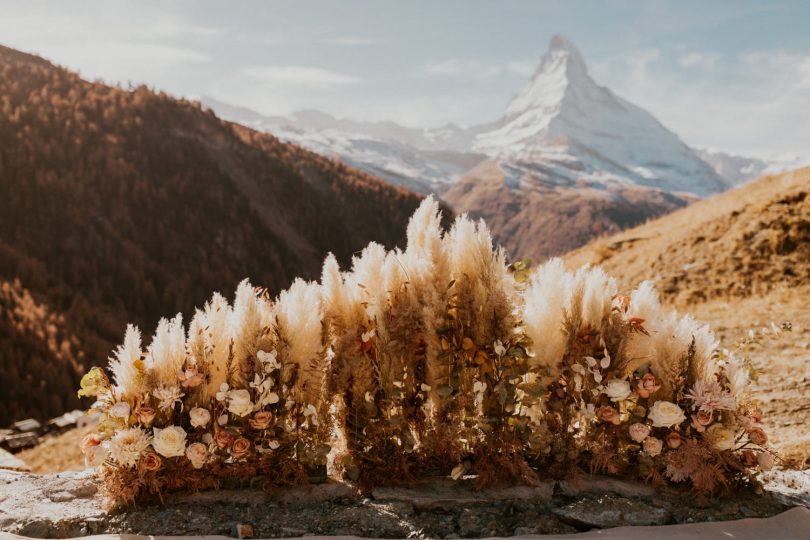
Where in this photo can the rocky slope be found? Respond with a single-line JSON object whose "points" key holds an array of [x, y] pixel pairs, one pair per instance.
{"points": [[125, 205]]}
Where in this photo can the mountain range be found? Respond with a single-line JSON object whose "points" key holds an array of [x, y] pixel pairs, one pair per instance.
{"points": [[568, 160], [122, 206]]}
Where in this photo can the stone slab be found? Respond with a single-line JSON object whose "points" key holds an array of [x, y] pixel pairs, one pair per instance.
{"points": [[434, 493], [11, 462], [793, 524]]}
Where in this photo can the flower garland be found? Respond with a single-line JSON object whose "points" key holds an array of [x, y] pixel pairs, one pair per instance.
{"points": [[438, 359]]}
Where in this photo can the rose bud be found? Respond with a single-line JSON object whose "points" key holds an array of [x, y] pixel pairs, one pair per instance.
{"points": [[673, 439], [748, 458], [197, 454], [757, 436], [90, 440]]}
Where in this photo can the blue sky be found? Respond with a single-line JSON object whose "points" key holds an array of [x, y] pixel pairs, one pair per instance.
{"points": [[734, 76]]}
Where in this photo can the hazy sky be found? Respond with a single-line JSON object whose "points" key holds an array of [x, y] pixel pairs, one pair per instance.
{"points": [[734, 76]]}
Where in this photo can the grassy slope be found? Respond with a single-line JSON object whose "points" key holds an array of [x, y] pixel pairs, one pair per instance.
{"points": [[739, 261]]}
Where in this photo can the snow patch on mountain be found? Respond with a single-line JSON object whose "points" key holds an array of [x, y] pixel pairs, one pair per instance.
{"points": [[738, 170], [582, 131], [400, 155]]}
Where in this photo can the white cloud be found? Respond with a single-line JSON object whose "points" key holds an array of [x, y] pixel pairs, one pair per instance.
{"points": [[350, 41], [755, 103], [463, 67], [521, 67], [700, 60], [300, 77]]}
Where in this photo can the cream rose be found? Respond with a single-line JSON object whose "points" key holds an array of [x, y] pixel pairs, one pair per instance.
{"points": [[170, 442], [665, 414], [239, 402], [639, 432], [120, 410], [617, 389], [653, 446], [199, 417], [720, 437], [197, 454]]}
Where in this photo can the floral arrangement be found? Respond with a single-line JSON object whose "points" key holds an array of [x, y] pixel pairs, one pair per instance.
{"points": [[439, 359]]}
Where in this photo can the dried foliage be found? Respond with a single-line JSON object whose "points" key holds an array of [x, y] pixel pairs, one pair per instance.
{"points": [[439, 359]]}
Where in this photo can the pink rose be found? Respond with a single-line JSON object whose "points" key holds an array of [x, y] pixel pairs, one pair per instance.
{"points": [[189, 378], [197, 454], [261, 420], [639, 432], [146, 415], [647, 385], [240, 448], [653, 446], [149, 462], [606, 413], [223, 439], [701, 420]]}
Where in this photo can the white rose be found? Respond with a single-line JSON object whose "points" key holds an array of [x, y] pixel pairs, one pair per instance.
{"points": [[120, 410], [95, 456], [170, 442], [720, 437], [239, 402], [197, 454], [665, 414], [199, 417], [617, 389]]}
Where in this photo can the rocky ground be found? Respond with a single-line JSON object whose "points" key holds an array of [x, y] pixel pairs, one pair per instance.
{"points": [[68, 505]]}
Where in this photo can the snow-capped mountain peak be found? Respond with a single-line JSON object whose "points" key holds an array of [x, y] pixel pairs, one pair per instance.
{"points": [[561, 69], [572, 130]]}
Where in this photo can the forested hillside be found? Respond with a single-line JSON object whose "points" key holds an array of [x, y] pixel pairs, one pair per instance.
{"points": [[124, 205]]}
